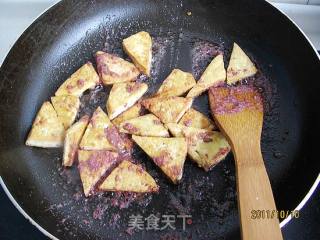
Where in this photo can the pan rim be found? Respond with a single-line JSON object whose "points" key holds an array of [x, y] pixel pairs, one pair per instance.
{"points": [[26, 28], [317, 180], [23, 212], [284, 222], [297, 26]]}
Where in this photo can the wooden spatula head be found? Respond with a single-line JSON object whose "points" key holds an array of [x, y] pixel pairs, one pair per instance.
{"points": [[238, 111]]}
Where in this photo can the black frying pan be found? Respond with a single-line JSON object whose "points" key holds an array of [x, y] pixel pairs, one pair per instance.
{"points": [[68, 35]]}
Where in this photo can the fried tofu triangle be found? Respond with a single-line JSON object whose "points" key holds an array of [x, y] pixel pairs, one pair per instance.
{"points": [[168, 110], [101, 134], [124, 95], [168, 154], [113, 69], [206, 148], [176, 84], [133, 112], [147, 125], [47, 131], [95, 136], [83, 79], [72, 140], [93, 165], [196, 119], [240, 66], [128, 177], [215, 74], [139, 48], [67, 108]]}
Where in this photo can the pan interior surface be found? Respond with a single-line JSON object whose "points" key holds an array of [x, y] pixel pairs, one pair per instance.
{"points": [[69, 34]]}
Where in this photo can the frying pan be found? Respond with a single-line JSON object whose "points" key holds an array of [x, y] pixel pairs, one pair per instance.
{"points": [[68, 35]]}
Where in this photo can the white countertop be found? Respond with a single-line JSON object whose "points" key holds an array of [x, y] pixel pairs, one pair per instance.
{"points": [[17, 15]]}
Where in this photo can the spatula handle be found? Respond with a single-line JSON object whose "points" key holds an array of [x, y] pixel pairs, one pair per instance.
{"points": [[258, 213]]}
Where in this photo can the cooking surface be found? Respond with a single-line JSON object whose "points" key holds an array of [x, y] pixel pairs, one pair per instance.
{"points": [[227, 166]]}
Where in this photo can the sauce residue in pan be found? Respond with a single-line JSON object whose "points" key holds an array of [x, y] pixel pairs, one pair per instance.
{"points": [[202, 53]]}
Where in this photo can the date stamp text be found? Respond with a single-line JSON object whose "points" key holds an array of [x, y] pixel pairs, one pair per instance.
{"points": [[270, 214]]}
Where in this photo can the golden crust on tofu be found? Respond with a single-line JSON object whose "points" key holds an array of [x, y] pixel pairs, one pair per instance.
{"points": [[133, 112], [93, 165], [47, 131], [240, 66], [67, 108], [113, 69], [128, 177], [175, 129], [215, 74], [139, 48], [168, 110], [72, 140], [95, 137], [206, 148], [148, 125], [167, 153], [196, 119], [83, 79], [176, 84], [124, 95]]}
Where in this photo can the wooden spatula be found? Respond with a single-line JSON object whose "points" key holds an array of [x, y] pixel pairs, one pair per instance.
{"points": [[239, 113]]}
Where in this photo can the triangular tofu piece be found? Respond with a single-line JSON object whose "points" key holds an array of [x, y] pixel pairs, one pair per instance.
{"points": [[47, 131], [196, 119], [206, 148], [93, 165], [168, 110], [113, 69], [176, 84], [167, 153], [148, 125], [95, 136], [240, 66], [215, 74], [133, 112], [83, 79], [124, 95], [120, 141], [139, 48], [128, 177], [175, 129], [72, 140], [67, 108]]}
